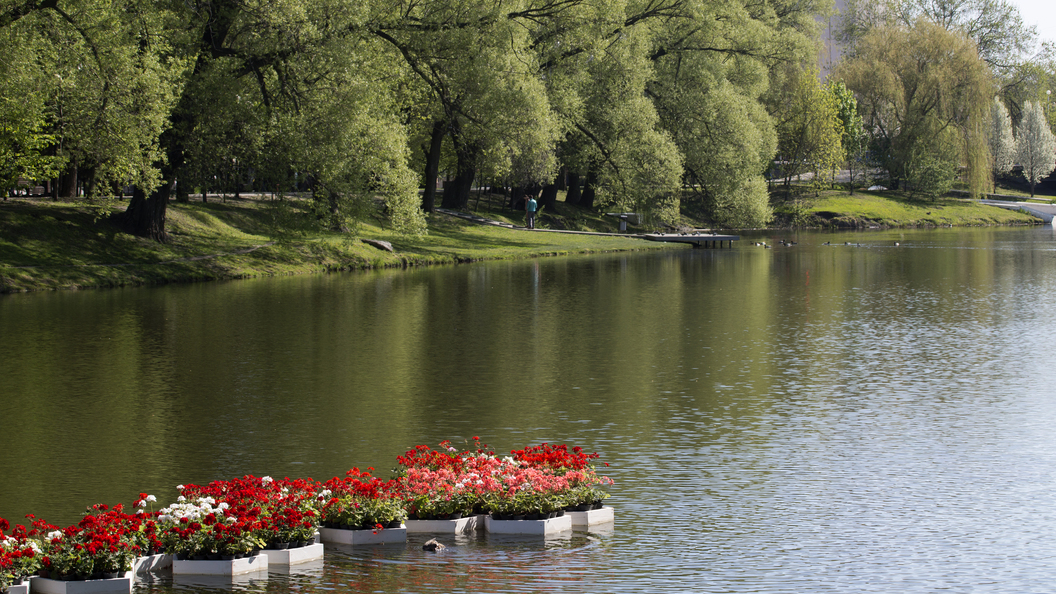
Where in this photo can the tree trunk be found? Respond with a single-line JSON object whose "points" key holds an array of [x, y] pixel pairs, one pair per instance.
{"points": [[456, 194], [548, 198], [145, 217], [517, 198], [575, 191], [432, 165], [68, 182], [562, 179], [589, 190], [456, 197]]}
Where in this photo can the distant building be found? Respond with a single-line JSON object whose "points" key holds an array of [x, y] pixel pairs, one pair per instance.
{"points": [[831, 49]]}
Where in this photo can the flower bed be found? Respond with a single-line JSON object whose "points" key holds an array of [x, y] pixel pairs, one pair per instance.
{"points": [[537, 480], [238, 518], [19, 558]]}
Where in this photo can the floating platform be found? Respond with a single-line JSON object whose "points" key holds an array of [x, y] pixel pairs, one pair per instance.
{"points": [[593, 517], [464, 525], [699, 240]]}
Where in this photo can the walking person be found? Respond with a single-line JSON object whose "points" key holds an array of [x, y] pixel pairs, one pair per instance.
{"points": [[530, 206]]}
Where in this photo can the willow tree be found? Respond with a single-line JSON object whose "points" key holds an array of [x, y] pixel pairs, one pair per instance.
{"points": [[925, 94], [479, 89]]}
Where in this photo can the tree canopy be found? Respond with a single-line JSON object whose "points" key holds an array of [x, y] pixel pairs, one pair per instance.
{"points": [[652, 102], [926, 97]]}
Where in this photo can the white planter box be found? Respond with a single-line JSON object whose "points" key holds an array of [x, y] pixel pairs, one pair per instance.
{"points": [[363, 537], [121, 585], [151, 563], [541, 527], [22, 588], [464, 525], [222, 568], [294, 556], [592, 517]]}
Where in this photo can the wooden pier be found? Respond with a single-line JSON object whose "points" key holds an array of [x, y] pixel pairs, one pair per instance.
{"points": [[699, 240]]}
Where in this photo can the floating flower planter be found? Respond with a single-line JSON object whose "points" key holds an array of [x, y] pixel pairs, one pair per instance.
{"points": [[295, 555], [363, 537], [464, 525], [149, 563], [540, 527], [583, 519], [21, 588], [118, 585], [228, 522], [221, 567]]}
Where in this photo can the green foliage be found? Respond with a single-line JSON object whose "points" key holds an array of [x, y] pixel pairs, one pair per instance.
{"points": [[924, 90], [338, 97], [809, 129], [931, 167]]}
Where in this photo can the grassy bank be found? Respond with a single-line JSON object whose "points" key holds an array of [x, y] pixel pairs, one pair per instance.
{"points": [[47, 245], [892, 209]]}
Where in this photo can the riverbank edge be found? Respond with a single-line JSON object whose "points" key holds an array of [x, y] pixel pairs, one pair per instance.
{"points": [[840, 211], [56, 246], [217, 242]]}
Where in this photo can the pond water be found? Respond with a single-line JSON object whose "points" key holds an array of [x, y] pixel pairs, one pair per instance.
{"points": [[811, 418]]}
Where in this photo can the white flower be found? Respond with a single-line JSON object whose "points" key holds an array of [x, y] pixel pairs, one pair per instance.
{"points": [[151, 498], [54, 534], [266, 480], [180, 487]]}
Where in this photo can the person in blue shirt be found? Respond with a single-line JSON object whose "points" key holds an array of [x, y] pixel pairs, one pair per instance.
{"points": [[530, 206]]}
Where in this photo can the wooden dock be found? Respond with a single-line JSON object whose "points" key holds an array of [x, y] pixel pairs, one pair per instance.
{"points": [[699, 240]]}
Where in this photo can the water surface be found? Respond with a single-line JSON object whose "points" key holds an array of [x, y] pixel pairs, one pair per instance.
{"points": [[813, 418]]}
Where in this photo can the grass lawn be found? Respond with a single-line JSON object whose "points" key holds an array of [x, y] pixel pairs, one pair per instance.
{"points": [[892, 209], [49, 245]]}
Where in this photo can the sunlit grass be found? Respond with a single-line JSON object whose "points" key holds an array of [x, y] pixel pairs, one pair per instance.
{"points": [[892, 209], [59, 245]]}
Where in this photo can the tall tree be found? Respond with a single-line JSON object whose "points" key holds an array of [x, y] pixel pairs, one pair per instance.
{"points": [[109, 84], [1035, 145], [1001, 141], [926, 97], [853, 137], [809, 129]]}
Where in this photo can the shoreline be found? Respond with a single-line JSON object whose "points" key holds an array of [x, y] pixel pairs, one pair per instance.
{"points": [[48, 245]]}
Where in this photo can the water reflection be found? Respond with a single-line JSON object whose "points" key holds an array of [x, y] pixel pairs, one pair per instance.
{"points": [[817, 418]]}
